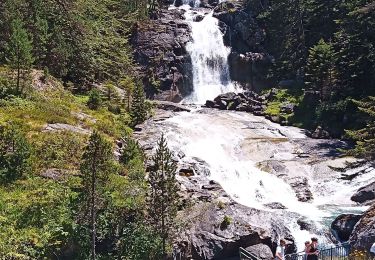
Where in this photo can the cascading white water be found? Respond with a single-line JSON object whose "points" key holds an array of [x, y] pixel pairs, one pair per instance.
{"points": [[233, 144], [194, 3], [209, 56]]}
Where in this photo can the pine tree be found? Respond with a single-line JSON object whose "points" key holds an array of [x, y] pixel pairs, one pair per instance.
{"points": [[320, 68], [95, 168], [365, 137], [138, 110], [128, 85], [356, 50], [321, 16], [15, 152], [163, 197], [19, 51], [130, 151], [95, 99]]}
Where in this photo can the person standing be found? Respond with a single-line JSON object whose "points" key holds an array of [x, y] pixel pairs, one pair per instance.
{"points": [[313, 252], [372, 249], [280, 250], [307, 249]]}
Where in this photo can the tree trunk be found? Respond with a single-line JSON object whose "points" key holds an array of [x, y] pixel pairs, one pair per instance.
{"points": [[93, 228], [251, 75], [18, 77], [93, 206]]}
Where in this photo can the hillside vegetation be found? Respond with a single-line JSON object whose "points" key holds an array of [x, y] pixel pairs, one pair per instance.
{"points": [[326, 48], [72, 180]]}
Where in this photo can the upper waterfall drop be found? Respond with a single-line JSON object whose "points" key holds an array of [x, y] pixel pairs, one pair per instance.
{"points": [[194, 3], [209, 56]]}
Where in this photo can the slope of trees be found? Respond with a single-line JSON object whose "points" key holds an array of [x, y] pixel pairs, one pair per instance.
{"points": [[64, 194], [323, 46]]}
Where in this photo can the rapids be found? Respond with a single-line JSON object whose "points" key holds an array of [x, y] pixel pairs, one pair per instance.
{"points": [[257, 162]]}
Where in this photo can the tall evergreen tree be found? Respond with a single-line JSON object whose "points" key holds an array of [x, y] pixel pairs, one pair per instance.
{"points": [[320, 68], [128, 85], [95, 168], [130, 151], [15, 152], [19, 51], [138, 110], [320, 20], [356, 50], [284, 23], [365, 137], [163, 197]]}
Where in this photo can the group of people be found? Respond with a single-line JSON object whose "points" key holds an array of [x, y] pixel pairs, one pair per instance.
{"points": [[311, 251]]}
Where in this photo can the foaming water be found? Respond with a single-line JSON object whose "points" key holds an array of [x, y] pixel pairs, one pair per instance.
{"points": [[209, 55], [233, 144]]}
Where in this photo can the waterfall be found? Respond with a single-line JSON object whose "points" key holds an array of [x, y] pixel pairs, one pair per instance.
{"points": [[194, 3], [209, 56], [255, 161]]}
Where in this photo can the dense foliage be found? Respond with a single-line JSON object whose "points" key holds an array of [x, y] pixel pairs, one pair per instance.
{"points": [[68, 100], [365, 137], [322, 46]]}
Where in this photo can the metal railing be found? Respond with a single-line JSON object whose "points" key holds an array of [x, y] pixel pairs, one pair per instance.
{"points": [[339, 252], [246, 255]]}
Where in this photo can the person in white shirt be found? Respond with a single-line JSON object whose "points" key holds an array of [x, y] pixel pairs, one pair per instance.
{"points": [[372, 249], [280, 251]]}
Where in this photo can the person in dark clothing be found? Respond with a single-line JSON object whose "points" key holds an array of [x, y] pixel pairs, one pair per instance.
{"points": [[313, 252]]}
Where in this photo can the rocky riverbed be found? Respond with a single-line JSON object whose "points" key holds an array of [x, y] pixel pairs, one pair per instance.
{"points": [[268, 181]]}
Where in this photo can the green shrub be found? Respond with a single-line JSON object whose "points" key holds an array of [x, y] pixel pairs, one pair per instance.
{"points": [[226, 222], [221, 204], [15, 152], [60, 150], [95, 99], [35, 219]]}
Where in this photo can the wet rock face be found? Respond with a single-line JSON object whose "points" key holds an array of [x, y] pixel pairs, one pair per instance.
{"points": [[244, 34], [343, 226], [159, 50], [363, 235], [365, 194], [249, 69]]}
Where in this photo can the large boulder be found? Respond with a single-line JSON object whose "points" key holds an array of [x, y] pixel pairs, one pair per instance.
{"points": [[363, 235], [365, 194], [262, 251], [343, 226], [216, 226], [211, 239], [159, 49], [249, 69], [170, 106], [320, 133], [247, 101]]}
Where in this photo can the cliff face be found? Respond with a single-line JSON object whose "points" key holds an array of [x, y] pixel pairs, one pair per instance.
{"points": [[249, 60], [363, 235], [159, 50]]}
